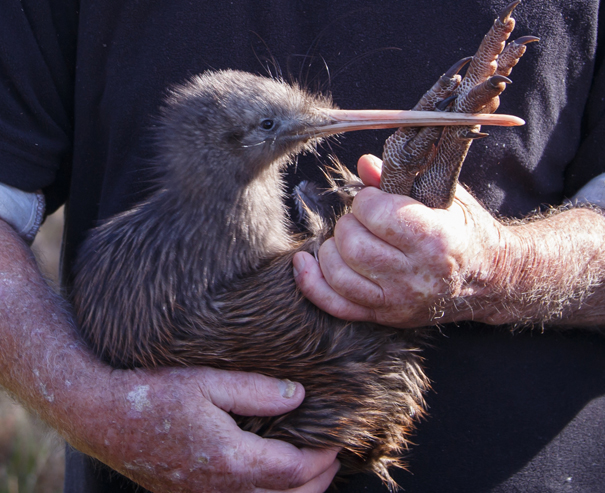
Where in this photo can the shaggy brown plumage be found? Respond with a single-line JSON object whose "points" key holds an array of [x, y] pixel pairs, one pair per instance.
{"points": [[200, 273]]}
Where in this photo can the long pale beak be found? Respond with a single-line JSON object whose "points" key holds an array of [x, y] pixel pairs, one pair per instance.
{"points": [[348, 120]]}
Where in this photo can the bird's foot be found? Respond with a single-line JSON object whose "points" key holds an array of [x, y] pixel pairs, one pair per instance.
{"points": [[425, 163]]}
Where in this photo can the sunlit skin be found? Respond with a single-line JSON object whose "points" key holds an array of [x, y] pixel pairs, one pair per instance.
{"points": [[169, 429], [396, 262]]}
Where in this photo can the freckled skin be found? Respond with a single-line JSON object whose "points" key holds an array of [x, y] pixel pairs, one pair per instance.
{"points": [[424, 266]]}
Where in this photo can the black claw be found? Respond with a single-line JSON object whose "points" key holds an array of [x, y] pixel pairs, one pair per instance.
{"points": [[444, 103], [470, 134], [454, 69], [497, 79], [523, 40], [505, 14]]}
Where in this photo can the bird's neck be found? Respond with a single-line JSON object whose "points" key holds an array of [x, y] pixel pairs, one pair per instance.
{"points": [[228, 229]]}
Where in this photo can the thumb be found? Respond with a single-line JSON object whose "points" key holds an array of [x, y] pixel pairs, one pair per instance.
{"points": [[369, 168], [250, 394]]}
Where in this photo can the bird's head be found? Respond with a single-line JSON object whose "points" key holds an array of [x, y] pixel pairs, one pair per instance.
{"points": [[235, 124], [238, 124]]}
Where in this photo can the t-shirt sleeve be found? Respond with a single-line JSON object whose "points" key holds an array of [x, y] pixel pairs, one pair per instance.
{"points": [[37, 65]]}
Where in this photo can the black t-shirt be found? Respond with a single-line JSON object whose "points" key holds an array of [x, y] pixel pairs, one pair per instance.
{"points": [[80, 84]]}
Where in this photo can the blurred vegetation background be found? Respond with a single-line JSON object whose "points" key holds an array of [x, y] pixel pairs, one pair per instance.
{"points": [[31, 454]]}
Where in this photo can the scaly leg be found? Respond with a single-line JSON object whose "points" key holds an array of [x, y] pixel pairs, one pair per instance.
{"points": [[409, 149], [425, 164]]}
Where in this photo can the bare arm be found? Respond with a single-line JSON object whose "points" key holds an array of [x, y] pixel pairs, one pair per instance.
{"points": [[397, 262], [168, 429]]}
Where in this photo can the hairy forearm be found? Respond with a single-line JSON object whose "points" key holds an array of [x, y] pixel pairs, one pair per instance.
{"points": [[102, 412], [42, 362], [167, 429], [109, 414], [548, 270], [401, 264]]}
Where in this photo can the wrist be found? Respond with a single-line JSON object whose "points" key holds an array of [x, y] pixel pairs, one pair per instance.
{"points": [[105, 408], [514, 259], [500, 258], [120, 412], [494, 256]]}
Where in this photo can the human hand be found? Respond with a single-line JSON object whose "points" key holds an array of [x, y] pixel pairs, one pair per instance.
{"points": [[170, 430], [399, 263]]}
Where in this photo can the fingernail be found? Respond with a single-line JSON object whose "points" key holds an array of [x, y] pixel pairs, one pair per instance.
{"points": [[298, 264], [376, 161], [287, 388]]}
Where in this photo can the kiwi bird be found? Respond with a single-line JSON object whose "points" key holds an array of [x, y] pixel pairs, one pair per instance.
{"points": [[200, 273]]}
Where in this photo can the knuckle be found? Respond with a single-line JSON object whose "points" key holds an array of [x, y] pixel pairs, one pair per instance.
{"points": [[380, 299]]}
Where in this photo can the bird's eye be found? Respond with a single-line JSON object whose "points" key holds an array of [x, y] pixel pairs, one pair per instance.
{"points": [[267, 124]]}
